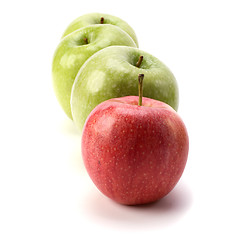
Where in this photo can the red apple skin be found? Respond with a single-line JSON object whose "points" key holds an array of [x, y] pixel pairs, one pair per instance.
{"points": [[134, 154]]}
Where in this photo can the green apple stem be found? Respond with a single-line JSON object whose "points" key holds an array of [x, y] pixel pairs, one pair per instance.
{"points": [[139, 61], [101, 20], [85, 40], [140, 89]]}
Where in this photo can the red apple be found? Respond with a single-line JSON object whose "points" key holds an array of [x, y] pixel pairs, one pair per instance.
{"points": [[134, 154]]}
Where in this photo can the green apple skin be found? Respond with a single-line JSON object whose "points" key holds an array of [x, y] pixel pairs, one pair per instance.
{"points": [[112, 73], [72, 52], [95, 18]]}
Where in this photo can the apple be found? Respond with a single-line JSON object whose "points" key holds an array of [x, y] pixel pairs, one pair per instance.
{"points": [[134, 154], [100, 18], [75, 49], [112, 72]]}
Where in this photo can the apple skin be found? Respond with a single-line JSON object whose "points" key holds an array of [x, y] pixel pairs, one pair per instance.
{"points": [[95, 18], [112, 73], [72, 52], [134, 154]]}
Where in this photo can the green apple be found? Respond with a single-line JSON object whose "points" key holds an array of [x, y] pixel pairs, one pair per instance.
{"points": [[113, 72], [100, 18], [75, 49]]}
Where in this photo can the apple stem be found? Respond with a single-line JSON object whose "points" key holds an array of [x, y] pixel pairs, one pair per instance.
{"points": [[101, 20], [139, 61], [140, 89], [85, 40]]}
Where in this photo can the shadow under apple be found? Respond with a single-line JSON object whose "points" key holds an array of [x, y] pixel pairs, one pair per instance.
{"points": [[161, 213], [68, 128]]}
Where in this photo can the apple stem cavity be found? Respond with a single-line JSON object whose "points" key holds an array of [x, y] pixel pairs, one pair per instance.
{"points": [[139, 61], [102, 20], [85, 40], [140, 89]]}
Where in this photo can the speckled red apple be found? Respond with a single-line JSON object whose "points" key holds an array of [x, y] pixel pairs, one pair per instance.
{"points": [[134, 154]]}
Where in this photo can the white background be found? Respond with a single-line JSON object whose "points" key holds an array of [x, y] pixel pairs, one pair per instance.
{"points": [[45, 192]]}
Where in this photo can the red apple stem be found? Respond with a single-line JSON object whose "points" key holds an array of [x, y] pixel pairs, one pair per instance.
{"points": [[140, 89], [85, 40], [101, 20], [139, 61]]}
